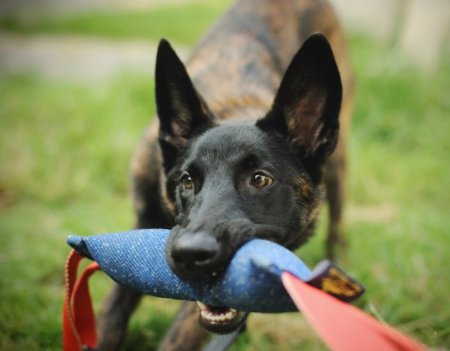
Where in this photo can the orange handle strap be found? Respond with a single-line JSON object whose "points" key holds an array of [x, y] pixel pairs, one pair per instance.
{"points": [[78, 314]]}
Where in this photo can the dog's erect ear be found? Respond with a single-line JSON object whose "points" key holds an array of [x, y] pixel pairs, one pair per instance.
{"points": [[181, 110], [306, 107]]}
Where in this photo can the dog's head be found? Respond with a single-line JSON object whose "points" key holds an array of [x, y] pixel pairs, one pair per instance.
{"points": [[239, 180]]}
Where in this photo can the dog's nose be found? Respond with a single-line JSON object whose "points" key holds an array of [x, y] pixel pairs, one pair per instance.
{"points": [[195, 256]]}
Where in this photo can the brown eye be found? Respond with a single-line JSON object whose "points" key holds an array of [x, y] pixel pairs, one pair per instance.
{"points": [[260, 180], [187, 182]]}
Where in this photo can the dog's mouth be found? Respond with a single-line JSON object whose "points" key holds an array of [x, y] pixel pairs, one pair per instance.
{"points": [[221, 320]]}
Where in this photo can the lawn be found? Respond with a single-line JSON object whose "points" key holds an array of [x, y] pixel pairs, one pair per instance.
{"points": [[170, 21], [64, 156]]}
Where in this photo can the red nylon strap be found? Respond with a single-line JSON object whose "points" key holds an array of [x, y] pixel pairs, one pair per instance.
{"points": [[343, 327], [78, 314]]}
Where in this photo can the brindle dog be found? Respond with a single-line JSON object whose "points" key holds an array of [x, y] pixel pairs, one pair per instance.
{"points": [[244, 147]]}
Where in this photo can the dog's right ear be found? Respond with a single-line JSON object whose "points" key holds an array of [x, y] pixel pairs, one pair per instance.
{"points": [[181, 110]]}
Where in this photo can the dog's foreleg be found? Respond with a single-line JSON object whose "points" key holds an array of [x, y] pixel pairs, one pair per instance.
{"points": [[114, 317], [336, 170], [185, 333], [335, 188]]}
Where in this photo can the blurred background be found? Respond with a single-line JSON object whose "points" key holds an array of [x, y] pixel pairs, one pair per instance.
{"points": [[76, 92]]}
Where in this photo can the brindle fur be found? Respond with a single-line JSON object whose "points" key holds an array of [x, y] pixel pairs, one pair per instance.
{"points": [[237, 69]]}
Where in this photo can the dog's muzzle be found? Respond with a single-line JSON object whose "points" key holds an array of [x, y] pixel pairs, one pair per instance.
{"points": [[200, 256], [196, 256]]}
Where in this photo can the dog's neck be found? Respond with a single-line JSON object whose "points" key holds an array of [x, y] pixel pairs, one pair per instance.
{"points": [[245, 107]]}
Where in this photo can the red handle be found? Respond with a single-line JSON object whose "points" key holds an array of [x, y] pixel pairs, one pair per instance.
{"points": [[78, 314], [343, 327]]}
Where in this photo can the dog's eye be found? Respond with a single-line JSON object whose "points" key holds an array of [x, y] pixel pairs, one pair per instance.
{"points": [[187, 182], [260, 180]]}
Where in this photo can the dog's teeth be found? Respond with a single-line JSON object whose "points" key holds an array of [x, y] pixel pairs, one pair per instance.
{"points": [[202, 306], [214, 317], [233, 313]]}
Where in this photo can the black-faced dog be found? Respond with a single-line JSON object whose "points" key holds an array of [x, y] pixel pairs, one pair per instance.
{"points": [[244, 147]]}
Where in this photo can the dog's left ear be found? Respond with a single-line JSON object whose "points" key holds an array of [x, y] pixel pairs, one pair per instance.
{"points": [[306, 107], [181, 110]]}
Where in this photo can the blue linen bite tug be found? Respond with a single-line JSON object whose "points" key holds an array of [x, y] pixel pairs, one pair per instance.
{"points": [[252, 283]]}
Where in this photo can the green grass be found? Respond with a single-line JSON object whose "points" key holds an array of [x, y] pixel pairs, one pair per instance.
{"points": [[169, 21], [64, 155], [64, 169]]}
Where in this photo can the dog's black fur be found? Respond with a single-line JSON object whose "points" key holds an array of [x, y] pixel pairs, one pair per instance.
{"points": [[244, 158], [238, 180]]}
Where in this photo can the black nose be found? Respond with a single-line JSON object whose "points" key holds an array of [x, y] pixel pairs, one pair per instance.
{"points": [[194, 256]]}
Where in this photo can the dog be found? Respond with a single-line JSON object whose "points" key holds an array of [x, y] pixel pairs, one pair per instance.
{"points": [[249, 141]]}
